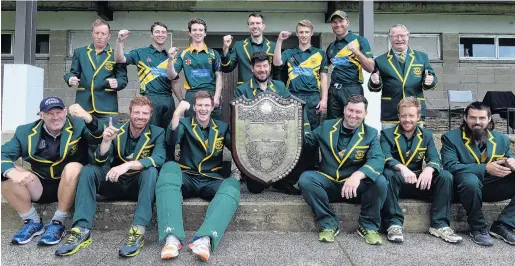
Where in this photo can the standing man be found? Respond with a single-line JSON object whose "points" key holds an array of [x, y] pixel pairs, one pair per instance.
{"points": [[349, 54], [400, 73], [483, 167], [405, 148], [96, 76], [307, 71], [261, 82], [242, 51], [54, 151], [125, 167], [152, 62], [350, 170], [202, 140], [201, 67]]}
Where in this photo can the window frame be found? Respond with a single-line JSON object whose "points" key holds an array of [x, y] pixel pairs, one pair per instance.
{"points": [[496, 44], [38, 55], [46, 55], [12, 43]]}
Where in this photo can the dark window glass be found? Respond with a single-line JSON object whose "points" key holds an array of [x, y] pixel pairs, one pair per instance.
{"points": [[42, 43], [7, 43]]}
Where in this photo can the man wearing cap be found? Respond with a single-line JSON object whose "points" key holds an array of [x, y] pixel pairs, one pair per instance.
{"points": [[54, 146], [400, 73], [349, 54], [241, 52], [152, 62]]}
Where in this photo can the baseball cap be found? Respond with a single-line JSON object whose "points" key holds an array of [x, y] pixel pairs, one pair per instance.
{"points": [[49, 103], [338, 13]]}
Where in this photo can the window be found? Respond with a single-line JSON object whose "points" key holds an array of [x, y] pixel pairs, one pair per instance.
{"points": [[425, 42], [42, 43], [7, 43], [487, 47]]}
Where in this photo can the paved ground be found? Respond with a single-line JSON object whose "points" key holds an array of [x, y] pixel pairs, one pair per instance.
{"points": [[268, 248]]}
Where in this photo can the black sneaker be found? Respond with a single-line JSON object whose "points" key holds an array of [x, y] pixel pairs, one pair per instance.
{"points": [[481, 237], [503, 231]]}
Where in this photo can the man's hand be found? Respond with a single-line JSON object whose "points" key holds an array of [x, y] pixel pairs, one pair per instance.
{"points": [[510, 163], [21, 178], [73, 81], [322, 106], [227, 41], [113, 83], [123, 34], [497, 169], [110, 132], [75, 110], [375, 77], [184, 106], [428, 80], [353, 47], [409, 176], [172, 52], [425, 178], [350, 187], [116, 172], [216, 101], [283, 35]]}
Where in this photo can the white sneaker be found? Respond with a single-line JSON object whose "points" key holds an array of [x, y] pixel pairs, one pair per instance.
{"points": [[395, 234], [171, 248], [447, 234], [201, 248]]}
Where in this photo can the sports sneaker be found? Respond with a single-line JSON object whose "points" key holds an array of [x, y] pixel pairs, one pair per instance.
{"points": [[371, 237], [481, 237], [29, 230], [77, 238], [171, 248], [395, 234], [133, 243], [447, 234], [503, 231], [327, 235], [200, 247], [54, 232]]}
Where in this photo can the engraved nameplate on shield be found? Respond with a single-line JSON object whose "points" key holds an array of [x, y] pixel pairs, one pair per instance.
{"points": [[267, 135]]}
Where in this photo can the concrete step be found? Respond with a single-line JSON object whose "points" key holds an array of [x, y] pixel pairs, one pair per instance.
{"points": [[269, 211]]}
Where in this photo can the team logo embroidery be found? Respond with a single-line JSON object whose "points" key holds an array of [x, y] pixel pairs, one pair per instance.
{"points": [[109, 66], [313, 60], [219, 145], [292, 59], [149, 60], [417, 71], [188, 62], [360, 155], [421, 155], [42, 144], [145, 153]]}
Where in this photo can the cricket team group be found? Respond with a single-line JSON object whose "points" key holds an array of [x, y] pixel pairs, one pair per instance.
{"points": [[78, 151]]}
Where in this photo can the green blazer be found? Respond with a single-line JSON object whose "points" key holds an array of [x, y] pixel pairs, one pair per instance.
{"points": [[398, 83], [150, 149], [461, 155], [395, 150], [363, 152], [200, 157], [240, 55], [94, 93], [73, 147]]}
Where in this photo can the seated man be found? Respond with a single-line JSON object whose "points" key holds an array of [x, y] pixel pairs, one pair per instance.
{"points": [[350, 170], [261, 82], [125, 168], [53, 147], [405, 147], [483, 167], [202, 141]]}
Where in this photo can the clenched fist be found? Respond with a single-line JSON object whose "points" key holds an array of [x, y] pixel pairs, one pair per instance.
{"points": [[73, 81], [123, 34], [113, 83], [428, 80], [75, 110], [283, 35], [172, 52], [375, 77], [227, 41]]}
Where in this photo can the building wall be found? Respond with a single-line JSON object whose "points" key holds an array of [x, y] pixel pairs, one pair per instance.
{"points": [[453, 73]]}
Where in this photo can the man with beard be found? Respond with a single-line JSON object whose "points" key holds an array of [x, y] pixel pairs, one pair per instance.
{"points": [[201, 67], [242, 51], [197, 174], [261, 82], [307, 71], [125, 168], [400, 73], [152, 62], [349, 54], [405, 148], [53, 148], [483, 167], [350, 170]]}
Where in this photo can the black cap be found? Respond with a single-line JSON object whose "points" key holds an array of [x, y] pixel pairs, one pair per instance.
{"points": [[51, 102]]}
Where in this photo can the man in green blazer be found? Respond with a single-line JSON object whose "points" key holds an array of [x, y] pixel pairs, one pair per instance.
{"points": [[96, 75], [54, 147], [400, 73], [405, 148], [483, 167], [241, 53], [198, 174], [350, 170], [126, 164]]}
